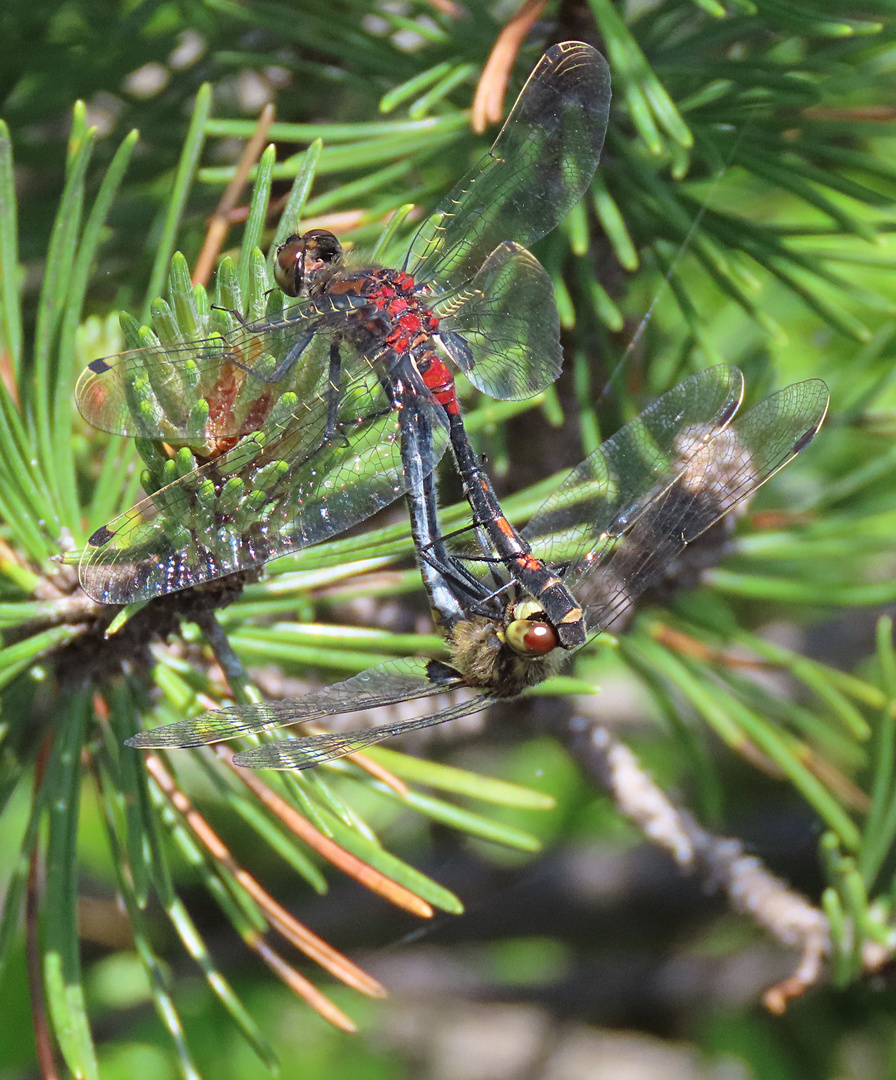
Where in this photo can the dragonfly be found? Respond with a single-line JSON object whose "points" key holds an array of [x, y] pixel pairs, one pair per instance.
{"points": [[610, 529], [315, 420]]}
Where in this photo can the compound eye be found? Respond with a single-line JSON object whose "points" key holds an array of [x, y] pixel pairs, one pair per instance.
{"points": [[324, 245], [300, 259], [288, 265], [530, 638]]}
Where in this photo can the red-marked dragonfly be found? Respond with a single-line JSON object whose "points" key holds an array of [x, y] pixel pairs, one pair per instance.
{"points": [[345, 401], [610, 530]]}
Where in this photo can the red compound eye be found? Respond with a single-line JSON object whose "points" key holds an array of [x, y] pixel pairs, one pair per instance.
{"points": [[530, 638]]}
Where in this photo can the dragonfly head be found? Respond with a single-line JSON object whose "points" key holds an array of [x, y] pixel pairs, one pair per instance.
{"points": [[302, 262], [482, 652], [528, 632]]}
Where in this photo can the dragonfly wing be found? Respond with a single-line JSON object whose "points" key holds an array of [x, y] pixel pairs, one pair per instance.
{"points": [[538, 168], [218, 386], [721, 474], [276, 491], [503, 330], [599, 500], [386, 684], [310, 750]]}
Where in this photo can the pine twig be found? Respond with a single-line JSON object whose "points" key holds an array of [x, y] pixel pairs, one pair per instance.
{"points": [[721, 862]]}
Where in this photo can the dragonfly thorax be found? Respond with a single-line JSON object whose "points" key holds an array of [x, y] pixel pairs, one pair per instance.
{"points": [[384, 312], [383, 307], [311, 264]]}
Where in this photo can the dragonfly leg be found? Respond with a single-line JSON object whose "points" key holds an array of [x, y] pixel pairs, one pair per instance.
{"points": [[488, 557], [237, 315], [454, 562], [292, 356], [466, 587]]}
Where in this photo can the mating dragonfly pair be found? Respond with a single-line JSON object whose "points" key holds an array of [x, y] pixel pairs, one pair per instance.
{"points": [[313, 421]]}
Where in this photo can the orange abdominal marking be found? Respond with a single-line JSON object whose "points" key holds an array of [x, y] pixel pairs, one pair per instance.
{"points": [[529, 562]]}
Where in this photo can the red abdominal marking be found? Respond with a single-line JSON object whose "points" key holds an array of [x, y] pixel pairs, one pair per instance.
{"points": [[412, 323], [439, 381]]}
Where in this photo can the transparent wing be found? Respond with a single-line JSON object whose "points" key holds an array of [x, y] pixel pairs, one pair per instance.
{"points": [[385, 684], [294, 484], [503, 330], [218, 386], [599, 499], [723, 472], [310, 750], [538, 168]]}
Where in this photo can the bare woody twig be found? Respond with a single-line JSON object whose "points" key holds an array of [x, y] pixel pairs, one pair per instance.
{"points": [[720, 861]]}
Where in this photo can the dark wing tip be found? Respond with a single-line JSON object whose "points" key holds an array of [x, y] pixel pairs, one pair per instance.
{"points": [[728, 413], [803, 441], [99, 366], [101, 537]]}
